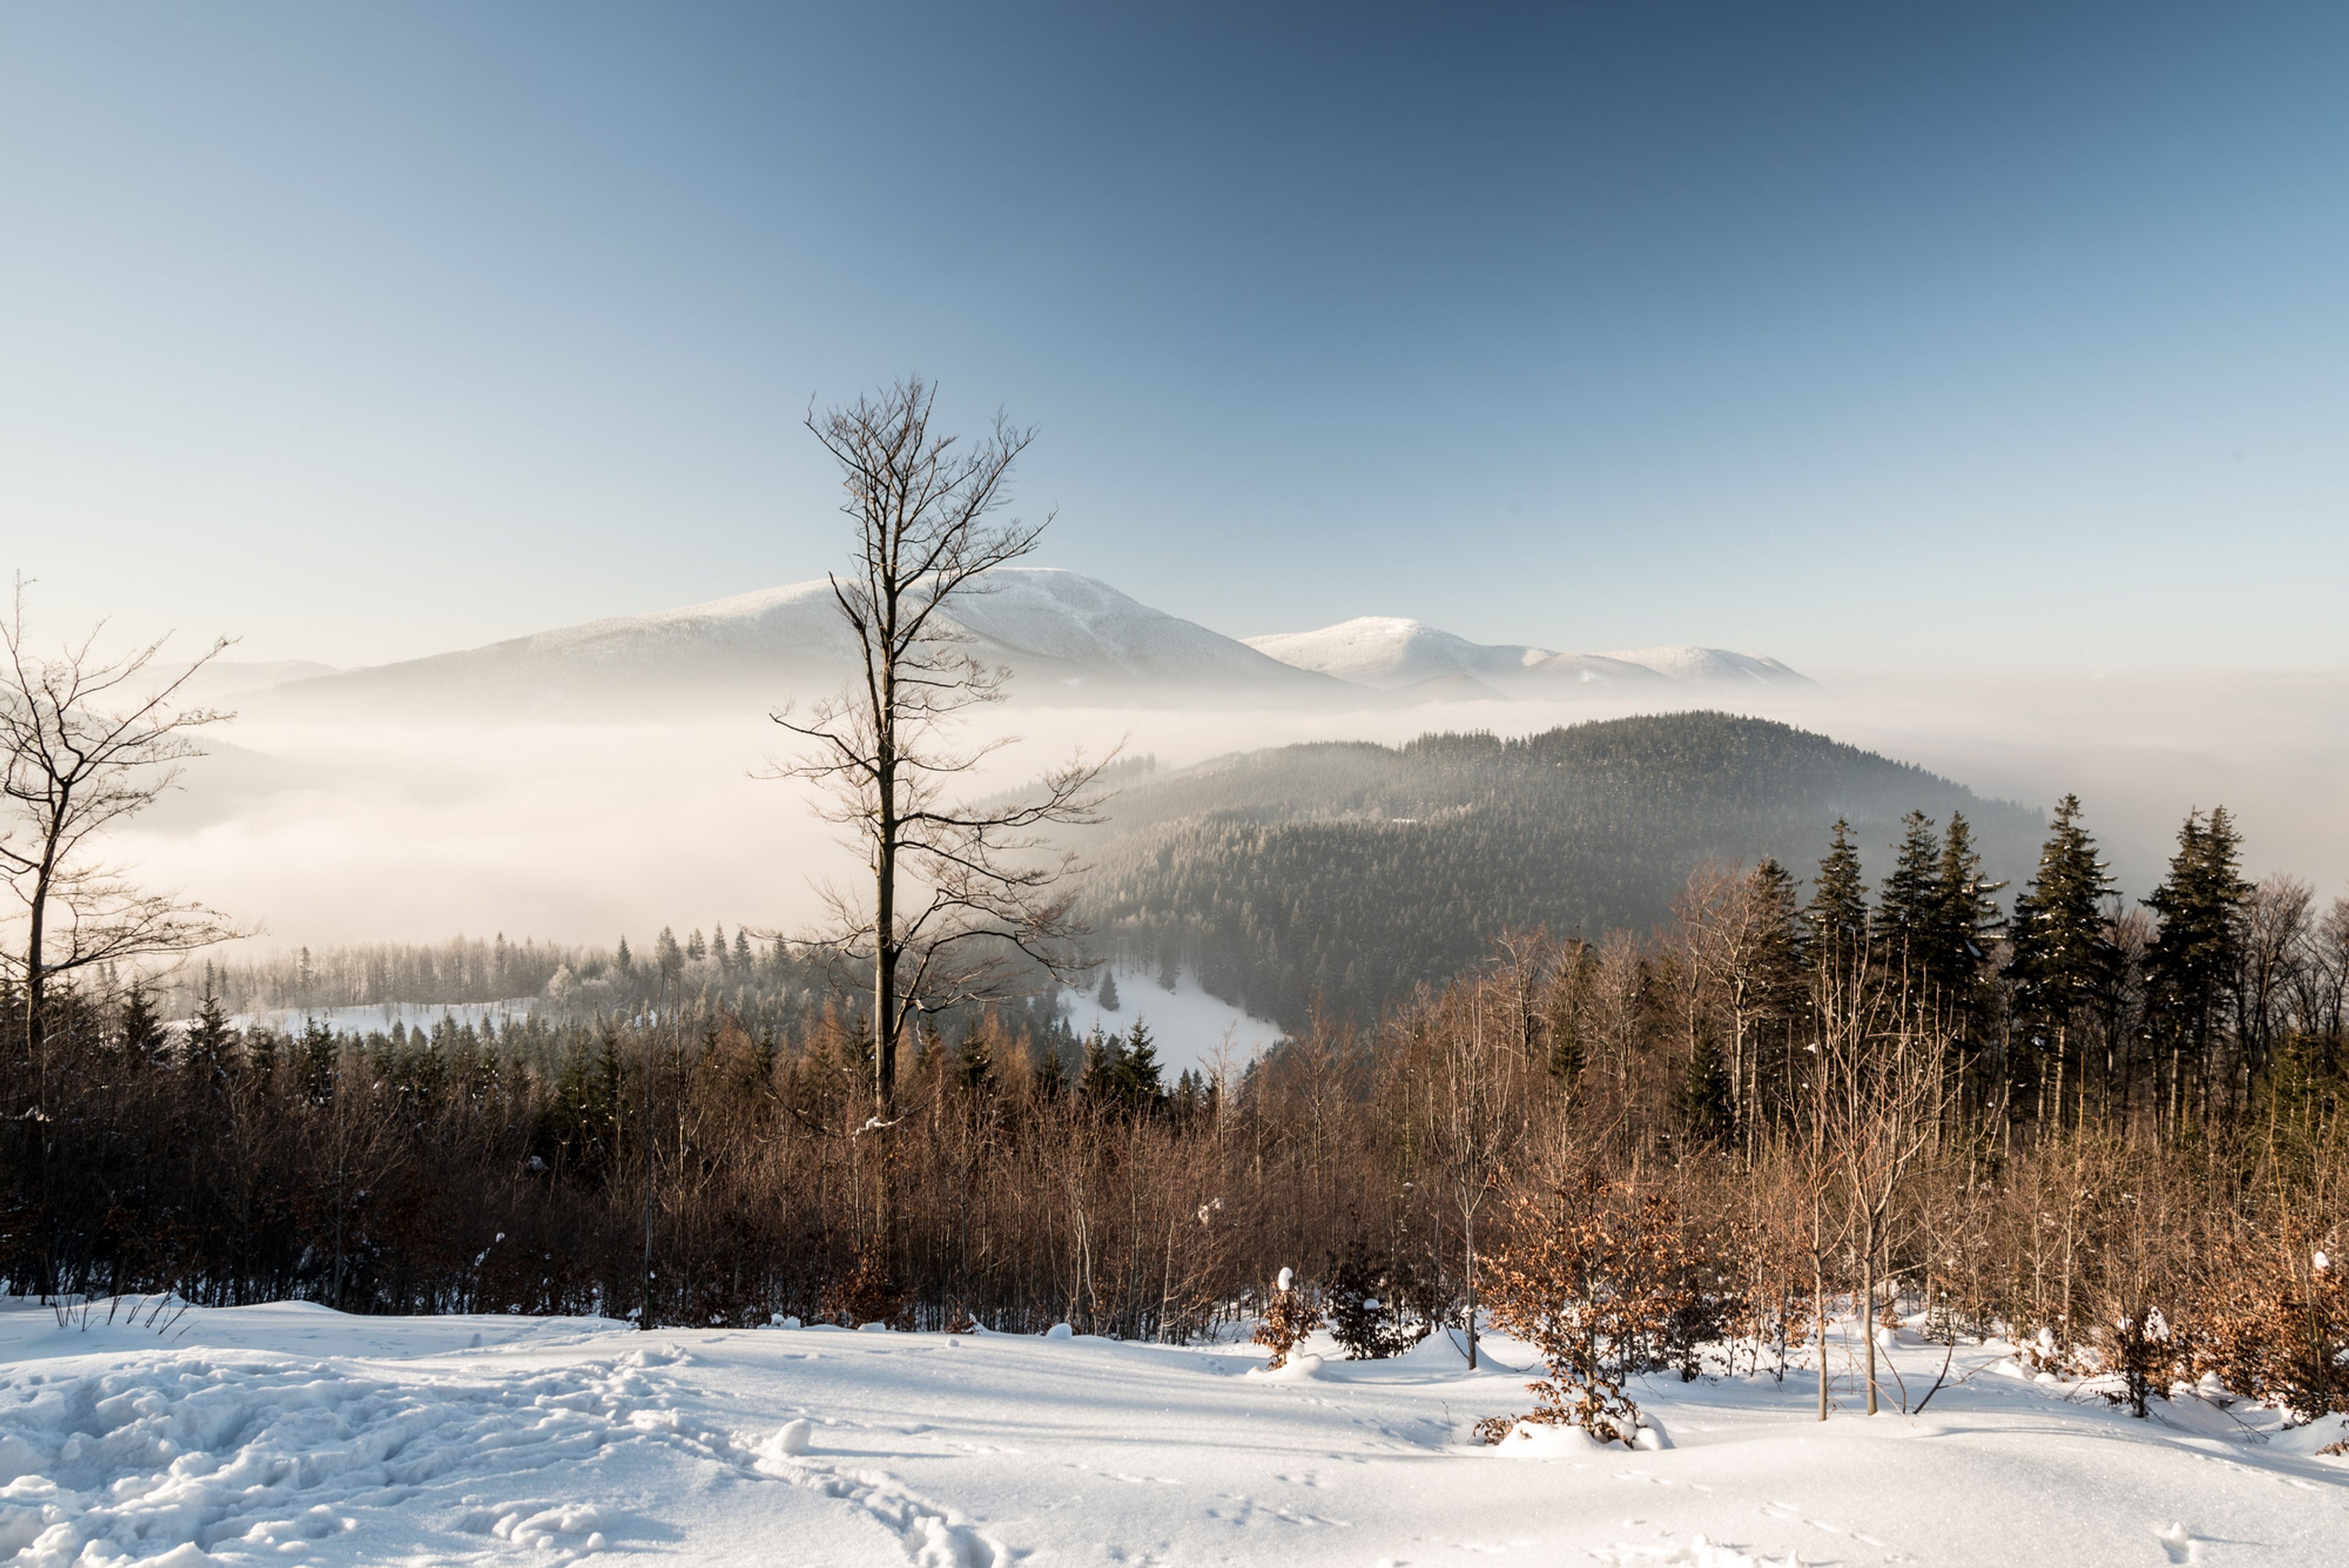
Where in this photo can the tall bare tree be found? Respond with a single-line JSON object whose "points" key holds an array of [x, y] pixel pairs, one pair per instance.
{"points": [[958, 892], [86, 743]]}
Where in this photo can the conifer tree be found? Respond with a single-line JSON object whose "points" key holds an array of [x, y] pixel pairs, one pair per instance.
{"points": [[1967, 916], [1098, 1079], [1138, 1081], [624, 959], [1912, 896], [2065, 965], [139, 1028], [2199, 943], [1703, 1098], [1837, 917], [210, 1036], [1109, 997]]}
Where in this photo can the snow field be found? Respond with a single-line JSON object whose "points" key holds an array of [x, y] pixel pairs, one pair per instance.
{"points": [[287, 1434]]}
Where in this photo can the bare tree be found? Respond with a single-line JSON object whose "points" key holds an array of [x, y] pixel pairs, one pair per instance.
{"points": [[957, 892], [1473, 1087], [86, 743], [83, 746]]}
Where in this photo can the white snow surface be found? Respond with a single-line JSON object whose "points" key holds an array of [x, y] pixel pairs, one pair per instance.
{"points": [[291, 1434], [1188, 1027]]}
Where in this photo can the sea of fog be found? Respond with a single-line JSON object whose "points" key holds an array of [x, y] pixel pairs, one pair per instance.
{"points": [[323, 832]]}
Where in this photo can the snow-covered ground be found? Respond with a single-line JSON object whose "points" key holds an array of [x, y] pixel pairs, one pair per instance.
{"points": [[1189, 1027], [289, 1434]]}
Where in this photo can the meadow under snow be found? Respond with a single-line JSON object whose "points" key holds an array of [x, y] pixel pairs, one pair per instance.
{"points": [[292, 1434]]}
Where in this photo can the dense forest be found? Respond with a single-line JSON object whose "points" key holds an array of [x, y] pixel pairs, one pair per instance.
{"points": [[1340, 876], [2113, 1131], [710, 969]]}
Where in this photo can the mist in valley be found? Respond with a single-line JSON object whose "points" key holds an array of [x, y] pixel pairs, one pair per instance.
{"points": [[328, 829]]}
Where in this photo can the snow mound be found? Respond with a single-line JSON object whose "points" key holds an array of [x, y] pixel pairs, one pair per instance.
{"points": [[1302, 1367], [1547, 1440]]}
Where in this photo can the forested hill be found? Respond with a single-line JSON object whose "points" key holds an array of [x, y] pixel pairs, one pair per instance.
{"points": [[1350, 872]]}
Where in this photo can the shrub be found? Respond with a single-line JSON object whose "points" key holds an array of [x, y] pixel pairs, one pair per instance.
{"points": [[1604, 1284], [1366, 1298], [1289, 1317]]}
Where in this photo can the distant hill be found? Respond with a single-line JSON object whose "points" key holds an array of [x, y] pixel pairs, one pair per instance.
{"points": [[1390, 653], [1350, 872]]}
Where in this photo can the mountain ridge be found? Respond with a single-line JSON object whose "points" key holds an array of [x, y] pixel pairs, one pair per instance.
{"points": [[1067, 637]]}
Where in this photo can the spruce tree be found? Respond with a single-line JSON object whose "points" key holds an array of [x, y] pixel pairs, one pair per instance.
{"points": [[1906, 911], [2066, 966], [1966, 917], [1138, 1081], [2195, 953], [1097, 1079], [138, 1028], [974, 1061], [1835, 920], [1702, 1099], [210, 1035], [1108, 999]]}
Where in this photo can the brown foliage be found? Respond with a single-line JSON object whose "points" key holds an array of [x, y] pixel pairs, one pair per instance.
{"points": [[1289, 1317], [1604, 1280]]}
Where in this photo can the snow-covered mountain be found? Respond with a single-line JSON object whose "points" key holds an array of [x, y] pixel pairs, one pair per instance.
{"points": [[1064, 635], [1389, 653], [1393, 654]]}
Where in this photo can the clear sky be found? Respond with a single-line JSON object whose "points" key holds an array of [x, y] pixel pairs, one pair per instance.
{"points": [[1872, 335]]}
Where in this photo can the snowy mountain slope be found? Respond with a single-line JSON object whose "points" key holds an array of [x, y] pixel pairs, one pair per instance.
{"points": [[1090, 629], [287, 1433], [1390, 652], [1710, 665], [1064, 635]]}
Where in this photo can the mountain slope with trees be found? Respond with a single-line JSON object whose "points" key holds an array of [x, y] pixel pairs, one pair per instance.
{"points": [[1343, 874]]}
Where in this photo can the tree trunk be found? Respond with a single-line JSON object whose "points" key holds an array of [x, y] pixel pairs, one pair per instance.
{"points": [[1867, 1306], [1469, 1228], [1819, 1317]]}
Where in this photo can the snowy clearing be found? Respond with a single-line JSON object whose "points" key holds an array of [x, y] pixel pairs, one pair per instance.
{"points": [[1189, 1027], [291, 1434]]}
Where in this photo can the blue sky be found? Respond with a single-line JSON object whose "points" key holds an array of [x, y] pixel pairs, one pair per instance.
{"points": [[1879, 336]]}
